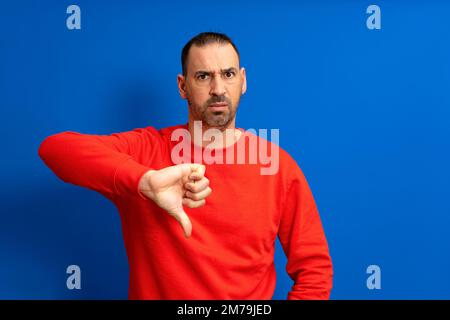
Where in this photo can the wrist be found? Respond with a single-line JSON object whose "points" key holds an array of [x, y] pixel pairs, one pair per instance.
{"points": [[145, 187]]}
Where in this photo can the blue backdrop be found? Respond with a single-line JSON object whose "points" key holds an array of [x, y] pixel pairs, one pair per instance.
{"points": [[366, 114]]}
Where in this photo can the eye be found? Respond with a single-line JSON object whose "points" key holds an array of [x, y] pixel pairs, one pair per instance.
{"points": [[202, 76], [229, 74]]}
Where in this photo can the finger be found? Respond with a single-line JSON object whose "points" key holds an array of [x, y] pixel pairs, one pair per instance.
{"points": [[198, 185], [192, 203], [198, 172], [195, 176], [185, 171], [184, 221], [199, 168], [198, 195]]}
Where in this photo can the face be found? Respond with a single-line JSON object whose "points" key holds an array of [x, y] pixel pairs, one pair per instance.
{"points": [[213, 84]]}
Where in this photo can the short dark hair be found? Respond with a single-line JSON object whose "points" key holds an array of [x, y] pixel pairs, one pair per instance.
{"points": [[203, 39]]}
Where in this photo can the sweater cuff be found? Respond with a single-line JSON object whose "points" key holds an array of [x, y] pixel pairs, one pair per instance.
{"points": [[127, 177]]}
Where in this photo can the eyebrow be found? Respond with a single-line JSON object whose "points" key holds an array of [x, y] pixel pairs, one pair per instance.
{"points": [[209, 72]]}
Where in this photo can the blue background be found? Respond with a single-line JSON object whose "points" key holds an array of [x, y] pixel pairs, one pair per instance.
{"points": [[366, 114]]}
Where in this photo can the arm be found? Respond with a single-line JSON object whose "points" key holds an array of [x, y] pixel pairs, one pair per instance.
{"points": [[108, 165], [304, 243], [105, 163]]}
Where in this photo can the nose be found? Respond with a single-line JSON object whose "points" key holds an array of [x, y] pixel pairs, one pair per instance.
{"points": [[217, 86]]}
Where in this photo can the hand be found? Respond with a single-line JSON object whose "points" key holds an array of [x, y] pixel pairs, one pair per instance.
{"points": [[172, 187]]}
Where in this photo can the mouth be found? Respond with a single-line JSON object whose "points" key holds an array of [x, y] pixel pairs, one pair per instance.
{"points": [[218, 106]]}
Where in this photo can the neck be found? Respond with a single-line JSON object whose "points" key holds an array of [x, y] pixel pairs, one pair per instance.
{"points": [[213, 137]]}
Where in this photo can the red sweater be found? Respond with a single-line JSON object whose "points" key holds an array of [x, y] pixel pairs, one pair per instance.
{"points": [[230, 254]]}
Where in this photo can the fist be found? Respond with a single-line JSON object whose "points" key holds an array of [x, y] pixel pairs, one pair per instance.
{"points": [[172, 187]]}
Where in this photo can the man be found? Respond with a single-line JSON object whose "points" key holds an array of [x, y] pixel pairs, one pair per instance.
{"points": [[230, 213]]}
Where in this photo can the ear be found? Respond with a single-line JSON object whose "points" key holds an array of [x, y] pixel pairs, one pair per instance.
{"points": [[182, 85], [244, 80]]}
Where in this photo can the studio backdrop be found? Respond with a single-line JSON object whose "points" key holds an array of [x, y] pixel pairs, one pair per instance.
{"points": [[359, 91]]}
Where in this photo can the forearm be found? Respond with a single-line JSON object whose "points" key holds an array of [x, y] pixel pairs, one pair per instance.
{"points": [[87, 161], [303, 239], [313, 277]]}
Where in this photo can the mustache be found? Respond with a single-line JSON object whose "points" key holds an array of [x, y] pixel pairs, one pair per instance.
{"points": [[218, 99]]}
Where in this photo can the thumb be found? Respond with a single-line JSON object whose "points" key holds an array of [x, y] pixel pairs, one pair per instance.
{"points": [[184, 221]]}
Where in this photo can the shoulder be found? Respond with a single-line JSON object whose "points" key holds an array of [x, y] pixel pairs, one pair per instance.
{"points": [[152, 132], [168, 131]]}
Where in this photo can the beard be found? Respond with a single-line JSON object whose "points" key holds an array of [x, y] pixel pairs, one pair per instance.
{"points": [[210, 117]]}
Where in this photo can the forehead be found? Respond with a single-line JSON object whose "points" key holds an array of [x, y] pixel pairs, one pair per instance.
{"points": [[212, 57]]}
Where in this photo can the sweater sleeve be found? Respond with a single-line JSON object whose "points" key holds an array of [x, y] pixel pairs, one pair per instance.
{"points": [[104, 163], [303, 240]]}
